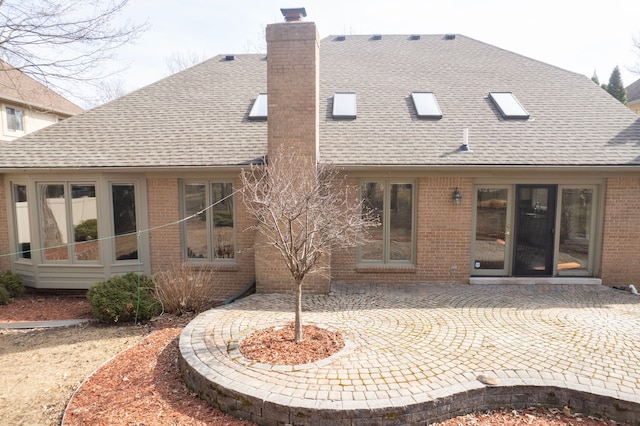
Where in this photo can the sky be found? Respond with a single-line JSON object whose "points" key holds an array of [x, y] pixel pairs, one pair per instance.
{"points": [[580, 36]]}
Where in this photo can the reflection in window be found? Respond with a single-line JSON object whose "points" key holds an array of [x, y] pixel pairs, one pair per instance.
{"points": [[124, 221], [195, 200], [393, 204], [53, 213], [14, 120], [575, 230], [373, 196], [21, 215], [223, 233], [84, 215], [209, 231], [491, 221]]}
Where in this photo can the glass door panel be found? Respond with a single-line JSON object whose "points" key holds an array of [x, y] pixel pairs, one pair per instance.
{"points": [[576, 213], [535, 227], [492, 231]]}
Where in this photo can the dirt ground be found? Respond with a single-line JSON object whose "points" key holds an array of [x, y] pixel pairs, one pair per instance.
{"points": [[127, 375], [42, 368]]}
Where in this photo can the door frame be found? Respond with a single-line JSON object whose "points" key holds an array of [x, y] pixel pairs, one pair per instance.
{"points": [[595, 249], [548, 232]]}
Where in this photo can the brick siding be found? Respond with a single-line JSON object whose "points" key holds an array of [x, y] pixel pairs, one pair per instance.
{"points": [[443, 239], [165, 242], [621, 232]]}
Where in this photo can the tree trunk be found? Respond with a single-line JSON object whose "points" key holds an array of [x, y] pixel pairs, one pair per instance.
{"points": [[298, 321]]}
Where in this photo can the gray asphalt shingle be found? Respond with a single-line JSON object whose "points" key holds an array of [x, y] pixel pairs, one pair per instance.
{"points": [[199, 117]]}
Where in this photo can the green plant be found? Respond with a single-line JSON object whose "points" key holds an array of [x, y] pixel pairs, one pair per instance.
{"points": [[186, 288], [116, 300], [86, 230], [13, 283], [5, 297]]}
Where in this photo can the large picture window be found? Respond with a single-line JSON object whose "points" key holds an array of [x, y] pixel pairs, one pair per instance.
{"points": [[208, 232], [68, 221], [393, 203]]}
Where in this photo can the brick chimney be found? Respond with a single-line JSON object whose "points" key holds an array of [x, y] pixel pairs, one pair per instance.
{"points": [[292, 84], [293, 101]]}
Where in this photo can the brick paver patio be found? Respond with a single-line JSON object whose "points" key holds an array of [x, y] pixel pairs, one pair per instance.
{"points": [[414, 353]]}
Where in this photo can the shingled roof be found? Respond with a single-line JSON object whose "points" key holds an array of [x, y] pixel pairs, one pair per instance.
{"points": [[18, 88], [633, 91], [198, 118]]}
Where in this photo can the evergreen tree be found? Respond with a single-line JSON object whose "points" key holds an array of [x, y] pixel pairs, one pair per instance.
{"points": [[595, 78], [616, 87]]}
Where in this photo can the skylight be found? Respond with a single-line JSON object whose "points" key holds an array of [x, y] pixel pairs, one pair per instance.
{"points": [[426, 105], [344, 105], [259, 108], [508, 105]]}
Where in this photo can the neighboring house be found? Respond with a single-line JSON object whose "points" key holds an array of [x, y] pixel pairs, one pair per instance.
{"points": [[485, 166], [633, 96], [27, 105]]}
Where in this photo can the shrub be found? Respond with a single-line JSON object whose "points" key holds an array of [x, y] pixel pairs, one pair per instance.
{"points": [[13, 283], [5, 297], [116, 299], [185, 288], [86, 230]]}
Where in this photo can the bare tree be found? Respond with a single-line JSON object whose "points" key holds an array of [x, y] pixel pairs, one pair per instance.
{"points": [[108, 90], [179, 61], [60, 40], [304, 210], [636, 43]]}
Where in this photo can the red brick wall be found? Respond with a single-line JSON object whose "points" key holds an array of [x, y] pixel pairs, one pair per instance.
{"points": [[165, 242], [621, 232], [5, 261], [443, 239]]}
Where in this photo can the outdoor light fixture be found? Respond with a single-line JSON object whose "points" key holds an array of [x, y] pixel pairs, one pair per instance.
{"points": [[457, 197]]}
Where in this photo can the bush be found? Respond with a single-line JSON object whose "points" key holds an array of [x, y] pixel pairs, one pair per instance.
{"points": [[5, 297], [13, 283], [86, 230], [116, 299], [185, 288]]}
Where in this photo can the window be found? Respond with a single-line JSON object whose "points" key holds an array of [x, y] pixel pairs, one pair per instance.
{"points": [[344, 105], [125, 226], [394, 241], [576, 239], [426, 105], [208, 231], [508, 105], [259, 108], [68, 222], [21, 220], [14, 120]]}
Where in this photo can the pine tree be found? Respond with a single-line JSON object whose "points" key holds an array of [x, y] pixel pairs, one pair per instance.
{"points": [[616, 87], [595, 78]]}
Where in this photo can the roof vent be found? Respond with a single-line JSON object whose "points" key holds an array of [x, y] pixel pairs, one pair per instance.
{"points": [[376, 37], [414, 37], [230, 57], [465, 141], [294, 14], [341, 38], [449, 36]]}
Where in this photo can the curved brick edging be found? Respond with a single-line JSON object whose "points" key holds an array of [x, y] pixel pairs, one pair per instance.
{"points": [[447, 403], [415, 355]]}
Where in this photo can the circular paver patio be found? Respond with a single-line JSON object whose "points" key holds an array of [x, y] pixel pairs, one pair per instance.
{"points": [[414, 353]]}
